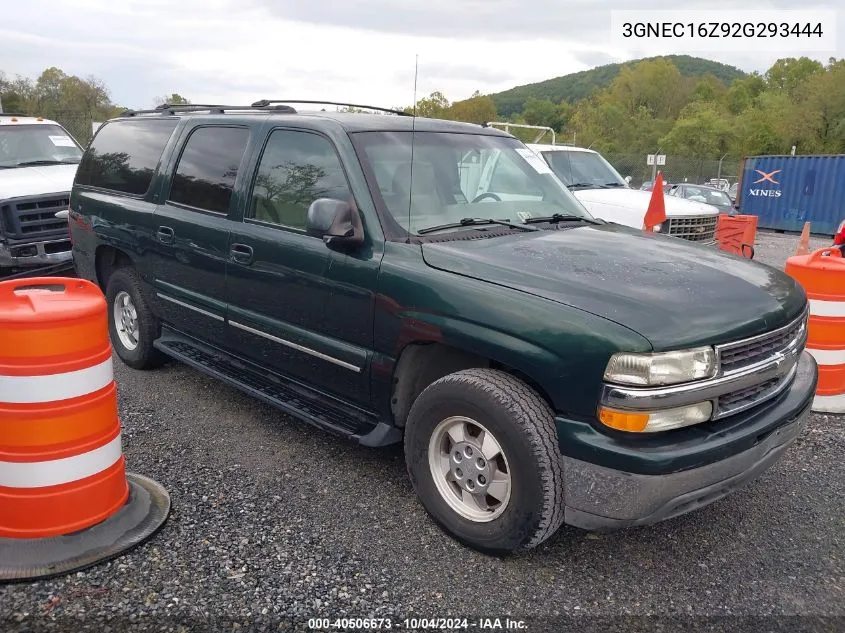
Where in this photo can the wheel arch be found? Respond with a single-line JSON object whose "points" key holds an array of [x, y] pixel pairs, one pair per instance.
{"points": [[422, 362]]}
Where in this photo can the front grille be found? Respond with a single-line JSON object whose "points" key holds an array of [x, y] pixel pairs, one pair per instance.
{"points": [[695, 229], [34, 217], [741, 354], [784, 344]]}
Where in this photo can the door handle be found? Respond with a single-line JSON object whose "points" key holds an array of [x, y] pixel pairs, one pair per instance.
{"points": [[165, 234], [241, 253]]}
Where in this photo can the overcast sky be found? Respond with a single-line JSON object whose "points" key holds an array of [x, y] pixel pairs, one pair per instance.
{"points": [[237, 51]]}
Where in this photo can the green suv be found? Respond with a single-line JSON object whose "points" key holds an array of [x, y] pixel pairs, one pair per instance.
{"points": [[366, 274]]}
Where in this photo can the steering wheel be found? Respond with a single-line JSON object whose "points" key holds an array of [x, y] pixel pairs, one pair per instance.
{"points": [[487, 195]]}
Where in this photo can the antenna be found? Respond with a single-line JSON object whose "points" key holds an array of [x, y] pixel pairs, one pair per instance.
{"points": [[413, 136]]}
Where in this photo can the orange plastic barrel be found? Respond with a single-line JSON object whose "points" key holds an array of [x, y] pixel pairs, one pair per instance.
{"points": [[822, 275], [61, 463]]}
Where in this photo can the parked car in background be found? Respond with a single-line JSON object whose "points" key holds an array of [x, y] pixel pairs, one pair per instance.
{"points": [[732, 191], [607, 195], [703, 193], [539, 365], [648, 185], [38, 161]]}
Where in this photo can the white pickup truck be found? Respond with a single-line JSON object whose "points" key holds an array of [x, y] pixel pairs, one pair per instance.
{"points": [[607, 195], [38, 162]]}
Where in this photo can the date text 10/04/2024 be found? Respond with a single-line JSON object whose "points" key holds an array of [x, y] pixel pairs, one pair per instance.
{"points": [[416, 624]]}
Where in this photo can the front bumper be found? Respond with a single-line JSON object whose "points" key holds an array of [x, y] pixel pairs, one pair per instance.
{"points": [[662, 481], [23, 254]]}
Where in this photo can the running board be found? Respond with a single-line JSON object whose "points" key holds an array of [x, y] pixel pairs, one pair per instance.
{"points": [[294, 399]]}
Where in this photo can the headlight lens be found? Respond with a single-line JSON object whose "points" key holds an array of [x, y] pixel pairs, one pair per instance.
{"points": [[663, 368], [654, 421]]}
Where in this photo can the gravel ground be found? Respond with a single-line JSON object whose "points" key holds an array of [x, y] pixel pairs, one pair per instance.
{"points": [[274, 522]]}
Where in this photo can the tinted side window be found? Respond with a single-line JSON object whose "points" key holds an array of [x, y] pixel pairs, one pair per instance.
{"points": [[296, 168], [208, 166], [124, 155]]}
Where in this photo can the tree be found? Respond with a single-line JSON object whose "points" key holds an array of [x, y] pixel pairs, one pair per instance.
{"points": [[701, 131], [174, 99], [787, 74], [477, 109], [432, 106]]}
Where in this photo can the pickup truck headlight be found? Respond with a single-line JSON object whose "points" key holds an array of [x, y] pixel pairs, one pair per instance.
{"points": [[661, 368]]}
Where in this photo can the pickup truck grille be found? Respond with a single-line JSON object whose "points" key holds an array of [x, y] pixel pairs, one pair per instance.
{"points": [[34, 217], [695, 229]]}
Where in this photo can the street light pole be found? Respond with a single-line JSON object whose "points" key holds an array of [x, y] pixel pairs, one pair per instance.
{"points": [[719, 175]]}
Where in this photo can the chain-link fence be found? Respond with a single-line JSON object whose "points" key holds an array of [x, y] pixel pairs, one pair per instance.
{"points": [[677, 168], [78, 124]]}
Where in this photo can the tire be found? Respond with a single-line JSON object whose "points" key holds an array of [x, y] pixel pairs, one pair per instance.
{"points": [[523, 426], [125, 281]]}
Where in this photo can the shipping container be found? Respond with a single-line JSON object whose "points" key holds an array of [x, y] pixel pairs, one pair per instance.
{"points": [[784, 192]]}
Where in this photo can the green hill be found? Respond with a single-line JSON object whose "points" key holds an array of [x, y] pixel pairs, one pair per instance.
{"points": [[582, 84]]}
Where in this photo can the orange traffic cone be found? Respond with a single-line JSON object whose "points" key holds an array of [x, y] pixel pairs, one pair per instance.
{"points": [[656, 212], [66, 501], [804, 242]]}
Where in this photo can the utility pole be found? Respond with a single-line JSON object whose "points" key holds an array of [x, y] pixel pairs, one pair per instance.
{"points": [[1, 105]]}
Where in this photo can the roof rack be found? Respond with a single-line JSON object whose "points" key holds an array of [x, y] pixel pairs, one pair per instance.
{"points": [[171, 109], [267, 102]]}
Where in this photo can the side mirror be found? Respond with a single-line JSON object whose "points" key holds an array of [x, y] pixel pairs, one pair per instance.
{"points": [[628, 179], [336, 222]]}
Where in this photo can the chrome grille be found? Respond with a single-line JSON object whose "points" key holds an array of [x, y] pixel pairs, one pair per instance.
{"points": [[695, 228], [781, 347], [743, 354]]}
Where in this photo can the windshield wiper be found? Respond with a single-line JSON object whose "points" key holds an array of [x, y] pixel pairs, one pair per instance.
{"points": [[471, 222], [562, 217], [33, 163], [614, 184], [586, 185]]}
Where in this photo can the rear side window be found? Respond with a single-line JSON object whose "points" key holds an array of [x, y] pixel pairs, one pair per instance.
{"points": [[205, 175], [124, 154]]}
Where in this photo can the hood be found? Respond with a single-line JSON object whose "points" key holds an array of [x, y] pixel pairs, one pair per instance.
{"points": [[675, 293], [36, 181], [628, 206]]}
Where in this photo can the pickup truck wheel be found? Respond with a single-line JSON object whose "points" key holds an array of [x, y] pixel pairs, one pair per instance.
{"points": [[132, 325], [481, 451]]}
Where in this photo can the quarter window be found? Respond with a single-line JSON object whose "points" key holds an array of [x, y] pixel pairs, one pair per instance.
{"points": [[296, 168], [208, 167], [124, 155]]}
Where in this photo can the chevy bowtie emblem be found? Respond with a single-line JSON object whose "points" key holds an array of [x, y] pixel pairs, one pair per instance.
{"points": [[768, 177]]}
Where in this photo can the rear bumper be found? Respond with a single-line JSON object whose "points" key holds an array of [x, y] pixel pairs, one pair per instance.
{"points": [[40, 253], [601, 497]]}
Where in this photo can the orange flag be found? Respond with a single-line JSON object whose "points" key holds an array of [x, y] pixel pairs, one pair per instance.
{"points": [[656, 206]]}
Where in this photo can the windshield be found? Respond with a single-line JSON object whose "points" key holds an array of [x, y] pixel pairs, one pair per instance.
{"points": [[459, 176], [23, 145], [710, 196], [583, 169]]}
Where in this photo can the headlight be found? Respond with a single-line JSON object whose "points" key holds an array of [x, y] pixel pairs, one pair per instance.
{"points": [[654, 421], [662, 368]]}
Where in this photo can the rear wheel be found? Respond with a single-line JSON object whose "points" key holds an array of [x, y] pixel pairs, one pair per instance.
{"points": [[481, 451], [132, 325]]}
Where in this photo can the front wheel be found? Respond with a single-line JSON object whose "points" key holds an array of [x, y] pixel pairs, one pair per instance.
{"points": [[481, 451]]}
